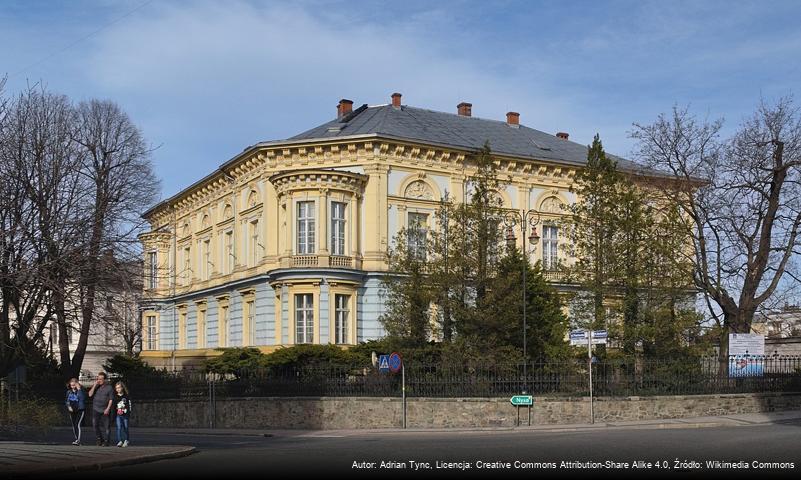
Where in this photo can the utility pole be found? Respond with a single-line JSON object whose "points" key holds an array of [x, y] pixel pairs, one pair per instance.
{"points": [[589, 367]]}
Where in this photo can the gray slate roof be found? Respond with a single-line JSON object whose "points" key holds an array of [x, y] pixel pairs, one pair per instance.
{"points": [[448, 129]]}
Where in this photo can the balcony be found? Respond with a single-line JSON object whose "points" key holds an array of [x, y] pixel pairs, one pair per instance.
{"points": [[305, 261], [313, 261], [555, 276], [339, 261]]}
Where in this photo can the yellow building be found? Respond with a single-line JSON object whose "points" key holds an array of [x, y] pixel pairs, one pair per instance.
{"points": [[286, 243]]}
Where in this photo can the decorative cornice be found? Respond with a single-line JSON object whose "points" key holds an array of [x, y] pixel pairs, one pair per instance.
{"points": [[156, 239], [317, 179], [266, 159]]}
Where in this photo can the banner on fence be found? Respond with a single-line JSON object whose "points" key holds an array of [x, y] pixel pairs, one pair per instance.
{"points": [[746, 355], [746, 344]]}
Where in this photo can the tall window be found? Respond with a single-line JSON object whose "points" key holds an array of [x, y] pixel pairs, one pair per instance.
{"points": [[205, 258], [201, 328], [251, 330], [304, 318], [305, 228], [338, 228], [228, 252], [417, 234], [186, 274], [341, 315], [222, 327], [182, 326], [152, 273], [254, 243], [550, 247], [150, 328]]}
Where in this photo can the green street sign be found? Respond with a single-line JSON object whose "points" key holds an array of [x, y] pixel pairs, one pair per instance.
{"points": [[522, 400]]}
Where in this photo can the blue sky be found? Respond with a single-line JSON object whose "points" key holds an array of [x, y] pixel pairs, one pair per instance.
{"points": [[206, 79]]}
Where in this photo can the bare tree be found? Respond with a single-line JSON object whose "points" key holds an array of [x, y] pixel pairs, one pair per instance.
{"points": [[75, 179], [742, 196], [120, 181], [39, 213]]}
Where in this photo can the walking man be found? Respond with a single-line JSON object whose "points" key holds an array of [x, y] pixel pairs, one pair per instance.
{"points": [[102, 395]]}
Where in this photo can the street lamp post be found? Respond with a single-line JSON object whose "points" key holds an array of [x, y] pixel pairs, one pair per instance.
{"points": [[525, 219]]}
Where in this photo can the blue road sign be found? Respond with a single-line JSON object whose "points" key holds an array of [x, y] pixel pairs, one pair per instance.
{"points": [[579, 337], [383, 363], [395, 362]]}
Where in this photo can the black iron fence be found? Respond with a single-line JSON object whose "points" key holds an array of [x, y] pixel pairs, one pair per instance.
{"points": [[626, 377]]}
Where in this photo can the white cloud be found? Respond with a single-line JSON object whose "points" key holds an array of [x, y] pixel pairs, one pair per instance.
{"points": [[232, 70], [206, 79]]}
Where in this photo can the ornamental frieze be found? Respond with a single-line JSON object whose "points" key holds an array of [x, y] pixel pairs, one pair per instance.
{"points": [[268, 158]]}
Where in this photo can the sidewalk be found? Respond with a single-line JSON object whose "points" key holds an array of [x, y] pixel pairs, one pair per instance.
{"points": [[739, 420], [20, 459]]}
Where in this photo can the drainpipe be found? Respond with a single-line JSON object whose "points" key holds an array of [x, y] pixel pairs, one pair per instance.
{"points": [[174, 282]]}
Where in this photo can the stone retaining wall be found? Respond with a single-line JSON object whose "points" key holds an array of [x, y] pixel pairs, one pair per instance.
{"points": [[361, 413]]}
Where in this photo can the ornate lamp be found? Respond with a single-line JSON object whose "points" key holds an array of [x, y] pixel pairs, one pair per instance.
{"points": [[511, 240], [534, 238]]}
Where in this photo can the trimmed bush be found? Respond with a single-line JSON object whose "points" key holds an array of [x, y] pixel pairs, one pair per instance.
{"points": [[129, 367], [29, 417]]}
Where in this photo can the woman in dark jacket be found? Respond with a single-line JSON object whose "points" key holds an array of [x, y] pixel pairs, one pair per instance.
{"points": [[76, 405]]}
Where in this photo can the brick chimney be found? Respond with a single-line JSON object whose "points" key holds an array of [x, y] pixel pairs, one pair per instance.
{"points": [[464, 109], [513, 118], [562, 135], [344, 107], [396, 100]]}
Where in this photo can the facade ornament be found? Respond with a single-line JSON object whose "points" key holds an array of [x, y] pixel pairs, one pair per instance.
{"points": [[551, 205], [418, 190], [253, 198]]}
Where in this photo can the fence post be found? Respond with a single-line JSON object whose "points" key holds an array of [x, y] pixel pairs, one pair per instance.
{"points": [[403, 390], [212, 404]]}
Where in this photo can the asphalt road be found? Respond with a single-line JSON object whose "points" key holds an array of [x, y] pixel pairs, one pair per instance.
{"points": [[479, 453]]}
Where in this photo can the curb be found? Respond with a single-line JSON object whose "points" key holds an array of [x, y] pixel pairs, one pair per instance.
{"points": [[178, 453], [675, 425], [565, 428]]}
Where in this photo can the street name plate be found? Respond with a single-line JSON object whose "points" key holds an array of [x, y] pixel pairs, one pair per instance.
{"points": [[522, 400]]}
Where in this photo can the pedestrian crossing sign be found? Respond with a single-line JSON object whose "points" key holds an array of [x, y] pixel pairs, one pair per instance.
{"points": [[383, 363]]}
